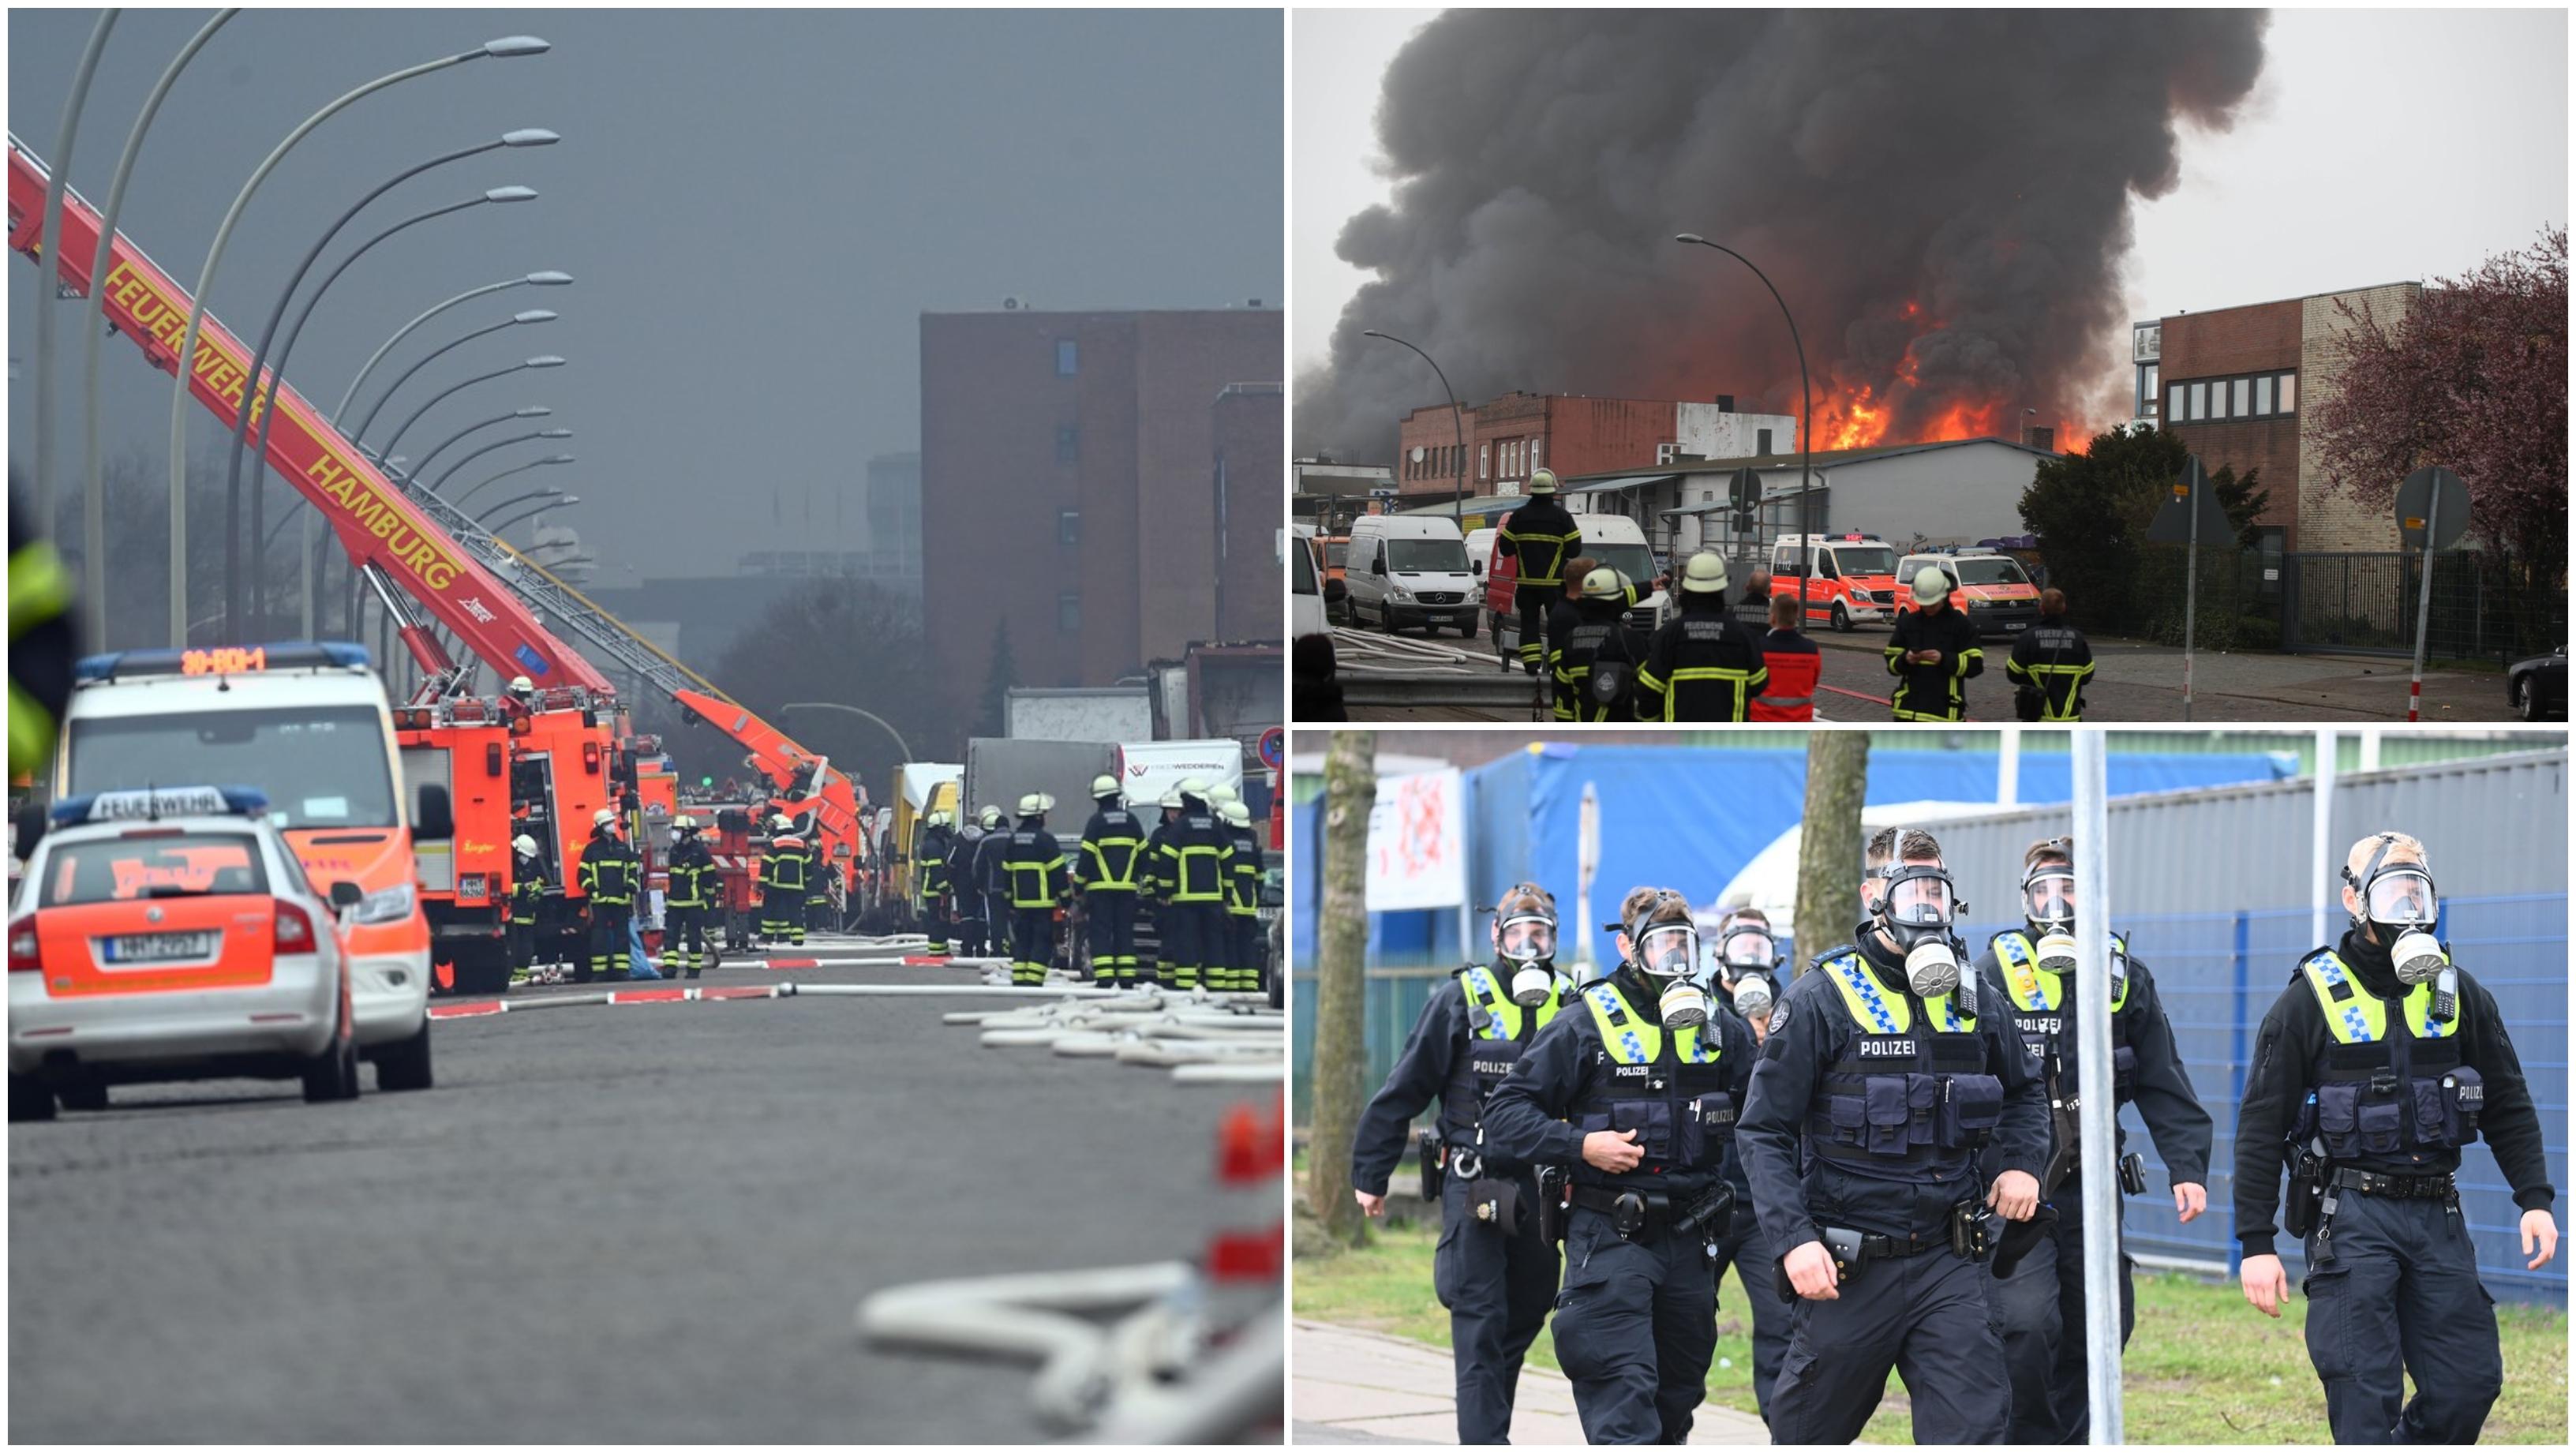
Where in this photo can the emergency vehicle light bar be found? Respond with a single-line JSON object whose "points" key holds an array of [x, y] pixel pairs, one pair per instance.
{"points": [[146, 804], [222, 660]]}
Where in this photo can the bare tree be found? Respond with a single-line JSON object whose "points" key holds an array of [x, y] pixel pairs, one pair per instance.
{"points": [[1829, 842], [1340, 1064]]}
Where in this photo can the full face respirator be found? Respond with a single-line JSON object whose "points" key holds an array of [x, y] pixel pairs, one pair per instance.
{"points": [[1750, 960], [1528, 942], [2399, 904], [1669, 954], [2048, 902], [1916, 908]]}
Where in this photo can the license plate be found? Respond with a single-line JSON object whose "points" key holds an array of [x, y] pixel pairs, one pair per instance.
{"points": [[147, 948], [2015, 625]]}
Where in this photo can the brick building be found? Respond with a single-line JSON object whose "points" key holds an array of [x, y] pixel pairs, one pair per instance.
{"points": [[1510, 436], [1069, 484], [2235, 384], [1251, 423]]}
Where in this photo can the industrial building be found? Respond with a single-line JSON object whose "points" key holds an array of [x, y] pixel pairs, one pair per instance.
{"points": [[1507, 438]]}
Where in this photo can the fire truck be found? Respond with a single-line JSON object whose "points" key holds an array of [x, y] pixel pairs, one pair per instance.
{"points": [[461, 599]]}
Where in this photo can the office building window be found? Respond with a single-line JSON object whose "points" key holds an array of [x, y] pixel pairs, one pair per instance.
{"points": [[2200, 401], [1068, 357], [2147, 391], [1068, 443], [2263, 394], [1534, 453], [1068, 527], [2244, 392], [1761, 441], [2173, 403], [1068, 612], [2289, 392], [1483, 452]]}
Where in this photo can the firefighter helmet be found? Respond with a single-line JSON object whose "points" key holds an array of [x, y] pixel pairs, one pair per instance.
{"points": [[1220, 794], [1032, 803], [521, 686], [1602, 584], [1238, 814], [1104, 785], [525, 845], [684, 823], [1194, 787], [991, 816], [603, 817], [1542, 481], [778, 822], [1171, 798]]}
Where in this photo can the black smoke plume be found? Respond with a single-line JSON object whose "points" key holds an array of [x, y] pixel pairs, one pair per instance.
{"points": [[1976, 165]]}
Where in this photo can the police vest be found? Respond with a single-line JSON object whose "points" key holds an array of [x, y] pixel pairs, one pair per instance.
{"points": [[1912, 1086], [2037, 996], [1195, 851], [1666, 1086], [2379, 1092], [689, 880], [1498, 1030], [1112, 848]]}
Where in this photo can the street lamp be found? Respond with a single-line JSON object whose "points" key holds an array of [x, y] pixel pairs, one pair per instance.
{"points": [[535, 279], [432, 484], [507, 46], [94, 504], [552, 499], [48, 269], [543, 360], [506, 473], [1458, 496], [532, 411], [277, 377], [527, 318], [1806, 424], [902, 749]]}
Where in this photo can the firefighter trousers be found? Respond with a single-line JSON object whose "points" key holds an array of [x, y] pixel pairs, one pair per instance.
{"points": [[523, 946], [970, 928], [1533, 602], [1184, 927], [1032, 943], [782, 917], [684, 938], [607, 941], [935, 916], [1111, 915]]}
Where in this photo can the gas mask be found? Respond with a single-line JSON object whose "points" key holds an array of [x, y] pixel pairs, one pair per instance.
{"points": [[2399, 903], [2048, 902], [1749, 959], [1669, 953], [1528, 942], [1916, 908]]}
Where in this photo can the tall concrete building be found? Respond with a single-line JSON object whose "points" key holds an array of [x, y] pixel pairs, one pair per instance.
{"points": [[1071, 483], [894, 515]]}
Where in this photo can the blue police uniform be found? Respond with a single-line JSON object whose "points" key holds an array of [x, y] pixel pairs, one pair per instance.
{"points": [[1750, 1253]]}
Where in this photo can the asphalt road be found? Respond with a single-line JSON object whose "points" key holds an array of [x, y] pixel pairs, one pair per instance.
{"points": [[635, 1224]]}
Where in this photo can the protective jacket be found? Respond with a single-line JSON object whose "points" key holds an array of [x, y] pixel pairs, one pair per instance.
{"points": [[782, 871], [1198, 858], [1540, 536], [1607, 1063], [1243, 869], [1600, 636], [527, 889], [2054, 657], [1871, 1103], [609, 870], [1463, 1045], [958, 869], [1701, 665], [1112, 852], [693, 880], [989, 853], [1033, 866], [933, 863], [2351, 1057], [1936, 692]]}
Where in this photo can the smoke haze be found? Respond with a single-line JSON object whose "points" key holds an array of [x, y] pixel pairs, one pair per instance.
{"points": [[1943, 199]]}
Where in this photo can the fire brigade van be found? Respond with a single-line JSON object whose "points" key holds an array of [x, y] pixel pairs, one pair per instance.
{"points": [[1612, 540], [1855, 577], [1989, 587], [306, 724]]}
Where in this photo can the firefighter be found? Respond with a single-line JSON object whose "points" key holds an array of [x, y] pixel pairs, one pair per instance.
{"points": [[988, 885], [690, 899], [2378, 1067], [1157, 892], [1541, 537], [1033, 866], [821, 878], [1112, 851], [782, 884], [1243, 904], [519, 702], [1218, 969], [527, 895], [1197, 860], [964, 890], [610, 873], [2049, 665], [930, 879], [1792, 664], [1600, 640], [1932, 653], [1701, 665]]}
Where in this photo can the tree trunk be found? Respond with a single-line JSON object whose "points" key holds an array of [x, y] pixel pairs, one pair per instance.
{"points": [[1830, 841], [1341, 940]]}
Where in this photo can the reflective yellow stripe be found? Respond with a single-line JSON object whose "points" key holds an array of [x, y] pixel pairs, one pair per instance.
{"points": [[39, 588]]}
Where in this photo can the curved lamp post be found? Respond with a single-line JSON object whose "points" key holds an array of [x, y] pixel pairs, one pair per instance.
{"points": [[542, 360], [512, 45], [549, 279], [94, 500], [529, 317], [555, 499], [506, 473], [1806, 423], [532, 411], [49, 241], [900, 745], [1458, 496], [422, 474]]}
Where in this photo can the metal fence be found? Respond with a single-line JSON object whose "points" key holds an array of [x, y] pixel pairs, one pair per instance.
{"points": [[2366, 604]]}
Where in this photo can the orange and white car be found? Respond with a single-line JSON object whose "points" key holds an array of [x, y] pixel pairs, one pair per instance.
{"points": [[170, 934], [306, 724], [1854, 578], [1990, 588]]}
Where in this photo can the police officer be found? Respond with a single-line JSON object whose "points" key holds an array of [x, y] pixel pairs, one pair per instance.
{"points": [[1243, 901], [964, 891], [1884, 1073], [1701, 665], [1601, 641], [2038, 1293], [1637, 1090], [1495, 1271], [782, 884], [689, 900], [610, 872], [1033, 864], [1932, 652], [1748, 981], [1112, 851], [2381, 1062], [930, 896], [2049, 665], [1540, 537], [988, 884], [527, 895]]}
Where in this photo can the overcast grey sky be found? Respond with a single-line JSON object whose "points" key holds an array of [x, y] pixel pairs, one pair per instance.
{"points": [[2379, 145], [756, 206]]}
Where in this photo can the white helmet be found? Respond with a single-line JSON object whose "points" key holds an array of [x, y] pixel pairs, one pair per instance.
{"points": [[1104, 785], [991, 815], [1032, 803], [684, 823], [1705, 574], [779, 822], [603, 817], [1171, 797], [1220, 794], [1194, 787], [1603, 584], [1238, 814], [1931, 586], [525, 845], [521, 686], [1542, 481]]}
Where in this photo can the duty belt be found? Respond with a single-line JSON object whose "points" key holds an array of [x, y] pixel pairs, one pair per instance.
{"points": [[1654, 1211], [2396, 1188]]}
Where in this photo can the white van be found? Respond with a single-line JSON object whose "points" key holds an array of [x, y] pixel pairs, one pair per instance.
{"points": [[1307, 592], [1612, 540], [1409, 570]]}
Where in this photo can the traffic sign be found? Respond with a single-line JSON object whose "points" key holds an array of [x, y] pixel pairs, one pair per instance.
{"points": [[2434, 493], [1274, 746], [2173, 521], [1744, 488]]}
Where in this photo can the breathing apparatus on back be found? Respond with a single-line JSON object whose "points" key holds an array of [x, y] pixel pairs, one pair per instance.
{"points": [[2398, 907], [1524, 932], [1916, 907], [1668, 954]]}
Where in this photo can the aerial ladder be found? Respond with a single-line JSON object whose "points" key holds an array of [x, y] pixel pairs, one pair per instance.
{"points": [[427, 562]]}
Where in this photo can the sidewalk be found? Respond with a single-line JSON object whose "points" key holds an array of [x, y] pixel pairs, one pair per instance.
{"points": [[1349, 1386]]}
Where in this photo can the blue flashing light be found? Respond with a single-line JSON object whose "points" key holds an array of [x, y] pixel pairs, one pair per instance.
{"points": [[222, 660], [145, 804]]}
